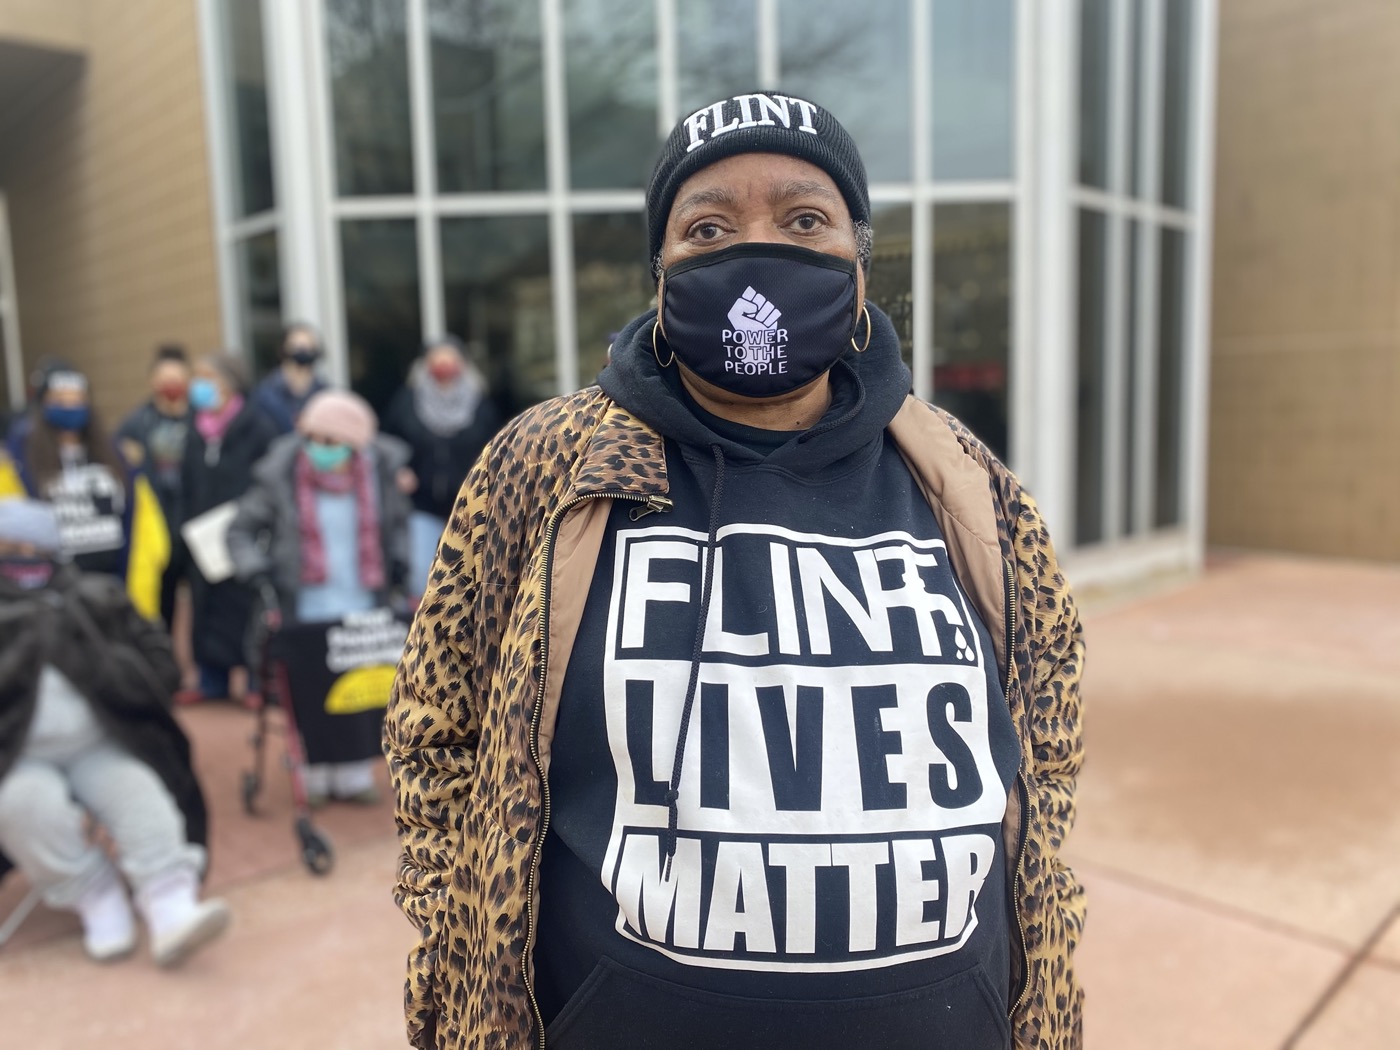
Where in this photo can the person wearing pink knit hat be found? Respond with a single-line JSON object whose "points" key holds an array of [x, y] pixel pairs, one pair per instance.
{"points": [[325, 525], [338, 417]]}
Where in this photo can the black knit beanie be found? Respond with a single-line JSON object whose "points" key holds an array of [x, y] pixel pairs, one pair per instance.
{"points": [[757, 122]]}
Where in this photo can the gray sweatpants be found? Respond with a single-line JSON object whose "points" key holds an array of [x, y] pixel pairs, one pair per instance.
{"points": [[68, 769]]}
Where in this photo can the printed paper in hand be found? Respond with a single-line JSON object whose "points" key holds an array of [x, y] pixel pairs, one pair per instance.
{"points": [[207, 538]]}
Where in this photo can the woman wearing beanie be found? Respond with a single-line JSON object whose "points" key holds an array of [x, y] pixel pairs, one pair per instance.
{"points": [[110, 518], [742, 708], [228, 437], [446, 414], [326, 526], [86, 730]]}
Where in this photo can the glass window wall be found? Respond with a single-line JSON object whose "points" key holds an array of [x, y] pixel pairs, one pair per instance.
{"points": [[612, 283], [1090, 417], [610, 51], [497, 299], [246, 83], [890, 285], [854, 59], [367, 55], [383, 319], [1171, 378], [1137, 108], [6, 395], [488, 95], [1095, 67], [974, 88], [1132, 377], [1176, 114], [972, 317], [717, 55], [260, 299]]}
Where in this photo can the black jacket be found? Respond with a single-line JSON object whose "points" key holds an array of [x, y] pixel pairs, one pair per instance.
{"points": [[215, 475], [138, 427], [212, 476], [441, 463], [120, 662]]}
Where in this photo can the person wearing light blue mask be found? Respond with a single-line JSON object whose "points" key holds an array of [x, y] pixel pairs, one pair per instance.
{"points": [[325, 527], [110, 519], [205, 395], [229, 435]]}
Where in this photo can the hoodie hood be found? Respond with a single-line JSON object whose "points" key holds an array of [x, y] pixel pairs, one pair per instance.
{"points": [[867, 390]]}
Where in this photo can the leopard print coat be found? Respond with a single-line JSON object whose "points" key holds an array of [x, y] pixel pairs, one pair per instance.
{"points": [[468, 725]]}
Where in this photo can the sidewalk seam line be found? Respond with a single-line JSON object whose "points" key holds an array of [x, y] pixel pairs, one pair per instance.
{"points": [[1230, 911], [1343, 977]]}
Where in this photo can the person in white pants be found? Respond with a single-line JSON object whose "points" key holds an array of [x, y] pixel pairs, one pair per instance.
{"points": [[86, 737]]}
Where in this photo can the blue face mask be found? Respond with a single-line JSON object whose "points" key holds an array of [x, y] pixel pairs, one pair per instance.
{"points": [[64, 417], [326, 458], [204, 395]]}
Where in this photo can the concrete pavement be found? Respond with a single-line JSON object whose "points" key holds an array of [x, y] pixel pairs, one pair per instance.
{"points": [[1238, 836], [1238, 830]]}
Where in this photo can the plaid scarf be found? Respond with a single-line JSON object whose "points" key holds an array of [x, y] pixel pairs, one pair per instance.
{"points": [[309, 481]]}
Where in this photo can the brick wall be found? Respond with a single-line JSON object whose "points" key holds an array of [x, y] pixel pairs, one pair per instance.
{"points": [[107, 183], [1305, 388]]}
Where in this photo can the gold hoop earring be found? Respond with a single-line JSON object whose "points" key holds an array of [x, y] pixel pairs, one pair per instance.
{"points": [[656, 353], [868, 332]]}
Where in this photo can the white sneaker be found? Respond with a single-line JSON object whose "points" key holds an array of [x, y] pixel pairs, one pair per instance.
{"points": [[109, 927], [179, 922], [207, 922]]}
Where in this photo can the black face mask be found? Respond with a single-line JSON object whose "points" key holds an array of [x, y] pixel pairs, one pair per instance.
{"points": [[760, 320]]}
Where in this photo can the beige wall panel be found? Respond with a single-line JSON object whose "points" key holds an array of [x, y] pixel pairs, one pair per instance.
{"points": [[1308, 166], [110, 202], [46, 23], [1305, 450], [1305, 376]]}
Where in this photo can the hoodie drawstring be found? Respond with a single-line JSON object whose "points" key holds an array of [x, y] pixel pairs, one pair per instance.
{"points": [[673, 794]]}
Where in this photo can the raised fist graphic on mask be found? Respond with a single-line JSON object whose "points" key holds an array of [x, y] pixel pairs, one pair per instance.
{"points": [[752, 312]]}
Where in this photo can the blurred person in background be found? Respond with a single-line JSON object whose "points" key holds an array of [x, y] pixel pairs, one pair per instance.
{"points": [[283, 393], [325, 527], [109, 514], [86, 729], [742, 706], [228, 437], [153, 436], [446, 415]]}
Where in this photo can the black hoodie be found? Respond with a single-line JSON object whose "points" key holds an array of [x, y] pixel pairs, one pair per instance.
{"points": [[819, 862]]}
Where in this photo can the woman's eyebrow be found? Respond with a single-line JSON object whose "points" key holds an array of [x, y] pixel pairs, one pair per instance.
{"points": [[801, 188], [715, 195]]}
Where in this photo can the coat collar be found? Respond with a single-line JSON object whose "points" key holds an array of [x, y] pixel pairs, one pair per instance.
{"points": [[622, 454]]}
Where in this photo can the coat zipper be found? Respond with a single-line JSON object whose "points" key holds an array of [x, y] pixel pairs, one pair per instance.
{"points": [[650, 504], [1023, 792]]}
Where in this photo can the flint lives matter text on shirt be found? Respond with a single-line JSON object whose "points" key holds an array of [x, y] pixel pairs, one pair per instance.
{"points": [[838, 798]]}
